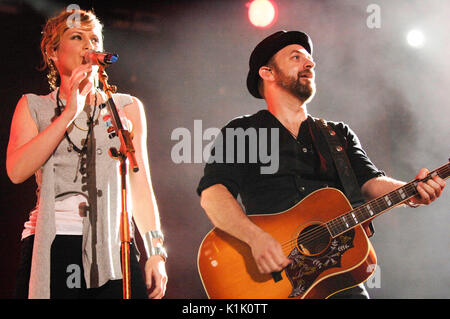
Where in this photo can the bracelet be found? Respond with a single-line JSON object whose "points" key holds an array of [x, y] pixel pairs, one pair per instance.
{"points": [[150, 249]]}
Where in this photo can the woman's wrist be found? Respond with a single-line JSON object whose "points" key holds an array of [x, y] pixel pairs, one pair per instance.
{"points": [[153, 243]]}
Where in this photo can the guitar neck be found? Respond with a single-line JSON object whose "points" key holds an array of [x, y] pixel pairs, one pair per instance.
{"points": [[381, 204]]}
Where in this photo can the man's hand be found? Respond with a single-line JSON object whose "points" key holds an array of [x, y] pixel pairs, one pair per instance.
{"points": [[268, 254], [429, 190]]}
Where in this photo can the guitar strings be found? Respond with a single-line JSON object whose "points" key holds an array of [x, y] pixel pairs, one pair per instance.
{"points": [[318, 232], [322, 230]]}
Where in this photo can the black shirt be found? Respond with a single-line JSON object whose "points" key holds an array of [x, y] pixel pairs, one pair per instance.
{"points": [[304, 164]]}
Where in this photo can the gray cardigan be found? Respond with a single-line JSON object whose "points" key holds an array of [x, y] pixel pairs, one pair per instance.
{"points": [[97, 178]]}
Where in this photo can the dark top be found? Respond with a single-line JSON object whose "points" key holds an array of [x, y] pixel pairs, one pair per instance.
{"points": [[304, 163]]}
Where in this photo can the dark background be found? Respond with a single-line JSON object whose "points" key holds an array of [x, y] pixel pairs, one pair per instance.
{"points": [[187, 60]]}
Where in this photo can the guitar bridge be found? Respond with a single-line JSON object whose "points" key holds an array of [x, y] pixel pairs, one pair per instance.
{"points": [[277, 276]]}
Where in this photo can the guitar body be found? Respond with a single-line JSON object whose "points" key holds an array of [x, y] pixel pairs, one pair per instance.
{"points": [[321, 265]]}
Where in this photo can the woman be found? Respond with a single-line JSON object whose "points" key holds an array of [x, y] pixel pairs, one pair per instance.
{"points": [[71, 244]]}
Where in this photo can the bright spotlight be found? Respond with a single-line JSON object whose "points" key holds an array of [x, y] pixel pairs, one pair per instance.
{"points": [[415, 38], [262, 13]]}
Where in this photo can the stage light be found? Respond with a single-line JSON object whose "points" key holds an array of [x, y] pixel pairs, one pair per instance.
{"points": [[262, 13], [415, 38]]}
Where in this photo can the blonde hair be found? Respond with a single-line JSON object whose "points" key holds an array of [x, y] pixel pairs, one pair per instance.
{"points": [[53, 31]]}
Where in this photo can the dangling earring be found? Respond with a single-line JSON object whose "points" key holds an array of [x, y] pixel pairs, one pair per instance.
{"points": [[52, 76]]}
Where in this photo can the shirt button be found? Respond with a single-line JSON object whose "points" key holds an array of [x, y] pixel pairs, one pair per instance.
{"points": [[301, 188], [305, 150], [99, 151]]}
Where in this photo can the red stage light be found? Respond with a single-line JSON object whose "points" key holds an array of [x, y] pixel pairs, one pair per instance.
{"points": [[262, 13]]}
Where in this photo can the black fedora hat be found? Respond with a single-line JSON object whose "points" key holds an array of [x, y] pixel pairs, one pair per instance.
{"points": [[267, 48]]}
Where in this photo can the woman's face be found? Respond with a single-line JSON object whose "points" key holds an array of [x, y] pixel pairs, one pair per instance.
{"points": [[74, 44]]}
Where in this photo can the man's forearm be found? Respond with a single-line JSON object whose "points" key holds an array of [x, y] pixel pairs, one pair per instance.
{"points": [[379, 186], [427, 191], [226, 213]]}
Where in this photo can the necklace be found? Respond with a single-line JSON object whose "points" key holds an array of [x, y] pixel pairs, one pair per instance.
{"points": [[90, 126], [80, 128]]}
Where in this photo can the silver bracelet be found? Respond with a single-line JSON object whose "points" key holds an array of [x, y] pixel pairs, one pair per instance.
{"points": [[150, 249]]}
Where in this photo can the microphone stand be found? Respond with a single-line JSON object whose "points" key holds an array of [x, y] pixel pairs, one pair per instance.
{"points": [[125, 152]]}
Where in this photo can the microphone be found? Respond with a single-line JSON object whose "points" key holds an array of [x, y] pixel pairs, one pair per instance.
{"points": [[101, 58]]}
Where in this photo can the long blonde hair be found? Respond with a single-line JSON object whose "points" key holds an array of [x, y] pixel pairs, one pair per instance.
{"points": [[53, 31]]}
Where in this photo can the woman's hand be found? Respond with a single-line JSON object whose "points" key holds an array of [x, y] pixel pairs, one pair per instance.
{"points": [[79, 88], [155, 277]]}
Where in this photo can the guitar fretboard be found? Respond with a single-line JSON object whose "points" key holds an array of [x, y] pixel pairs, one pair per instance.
{"points": [[377, 206]]}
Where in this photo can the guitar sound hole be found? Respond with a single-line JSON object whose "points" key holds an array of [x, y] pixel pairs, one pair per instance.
{"points": [[313, 240]]}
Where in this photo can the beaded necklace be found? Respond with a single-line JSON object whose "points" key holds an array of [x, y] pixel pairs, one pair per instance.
{"points": [[90, 123]]}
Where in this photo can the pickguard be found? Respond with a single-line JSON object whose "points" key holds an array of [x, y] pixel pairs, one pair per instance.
{"points": [[304, 269]]}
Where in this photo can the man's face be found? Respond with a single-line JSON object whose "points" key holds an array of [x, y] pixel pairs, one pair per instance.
{"points": [[294, 71]]}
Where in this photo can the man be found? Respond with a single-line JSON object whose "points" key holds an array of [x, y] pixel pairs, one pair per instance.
{"points": [[282, 73]]}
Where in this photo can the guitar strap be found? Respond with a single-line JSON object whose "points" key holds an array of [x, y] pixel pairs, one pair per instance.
{"points": [[342, 165]]}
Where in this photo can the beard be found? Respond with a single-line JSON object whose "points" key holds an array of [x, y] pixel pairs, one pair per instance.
{"points": [[302, 88]]}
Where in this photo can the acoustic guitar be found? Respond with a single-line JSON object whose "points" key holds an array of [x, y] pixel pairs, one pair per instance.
{"points": [[322, 235]]}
